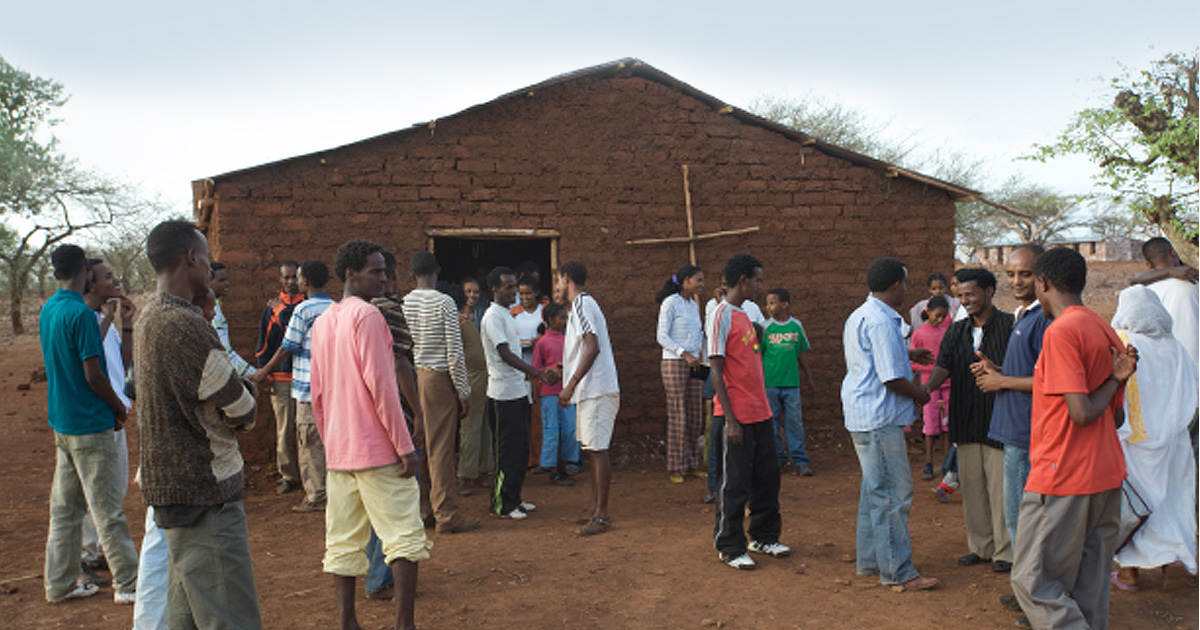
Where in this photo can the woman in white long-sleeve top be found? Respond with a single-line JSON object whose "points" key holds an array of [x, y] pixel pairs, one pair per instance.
{"points": [[681, 335]]}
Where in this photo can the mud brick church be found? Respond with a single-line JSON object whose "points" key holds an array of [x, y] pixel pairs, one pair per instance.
{"points": [[582, 166]]}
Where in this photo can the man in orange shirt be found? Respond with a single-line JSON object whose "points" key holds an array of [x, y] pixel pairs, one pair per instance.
{"points": [[1072, 502]]}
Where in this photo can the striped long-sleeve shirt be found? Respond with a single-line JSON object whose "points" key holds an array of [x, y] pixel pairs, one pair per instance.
{"points": [[189, 404], [437, 339]]}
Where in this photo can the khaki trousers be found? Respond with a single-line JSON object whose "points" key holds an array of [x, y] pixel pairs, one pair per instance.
{"points": [[474, 435], [981, 474], [286, 455], [439, 492], [1065, 548], [312, 453]]}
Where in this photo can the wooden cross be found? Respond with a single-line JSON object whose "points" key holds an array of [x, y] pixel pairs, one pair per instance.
{"points": [[691, 237]]}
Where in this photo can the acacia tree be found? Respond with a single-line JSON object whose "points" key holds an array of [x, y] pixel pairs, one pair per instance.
{"points": [[1146, 146], [45, 197]]}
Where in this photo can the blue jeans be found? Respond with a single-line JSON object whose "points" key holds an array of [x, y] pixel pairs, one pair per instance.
{"points": [[786, 401], [379, 574], [1016, 472], [558, 434], [715, 435], [883, 544]]}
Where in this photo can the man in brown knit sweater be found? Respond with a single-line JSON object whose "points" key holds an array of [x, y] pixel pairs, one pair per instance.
{"points": [[190, 401]]}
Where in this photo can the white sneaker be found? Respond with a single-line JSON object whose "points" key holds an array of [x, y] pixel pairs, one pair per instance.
{"points": [[516, 514], [528, 507], [743, 561], [775, 549], [80, 591], [120, 598]]}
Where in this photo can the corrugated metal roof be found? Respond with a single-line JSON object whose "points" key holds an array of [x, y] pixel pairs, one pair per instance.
{"points": [[636, 67]]}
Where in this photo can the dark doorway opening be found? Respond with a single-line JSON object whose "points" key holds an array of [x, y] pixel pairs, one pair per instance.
{"points": [[464, 257]]}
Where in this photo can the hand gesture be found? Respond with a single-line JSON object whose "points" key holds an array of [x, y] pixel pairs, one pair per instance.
{"points": [[984, 364], [564, 397], [550, 376], [922, 396], [464, 407], [1124, 363], [128, 310], [921, 356], [733, 430], [258, 378], [109, 308], [691, 360], [119, 418], [409, 462]]}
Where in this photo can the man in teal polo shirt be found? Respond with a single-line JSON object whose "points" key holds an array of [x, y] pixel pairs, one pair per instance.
{"points": [[84, 411]]}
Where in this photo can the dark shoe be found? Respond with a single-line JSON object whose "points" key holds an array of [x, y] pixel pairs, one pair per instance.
{"points": [[430, 522], [1023, 622], [709, 498], [927, 472], [462, 527], [285, 486], [804, 470], [785, 467], [1009, 602], [970, 560], [562, 479], [539, 470], [572, 469], [1002, 566], [387, 592], [307, 506]]}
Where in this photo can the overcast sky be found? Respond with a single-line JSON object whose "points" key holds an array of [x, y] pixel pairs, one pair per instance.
{"points": [[163, 93]]}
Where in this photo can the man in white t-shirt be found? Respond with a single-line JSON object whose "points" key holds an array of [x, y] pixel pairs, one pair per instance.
{"points": [[105, 296], [590, 382], [508, 395]]}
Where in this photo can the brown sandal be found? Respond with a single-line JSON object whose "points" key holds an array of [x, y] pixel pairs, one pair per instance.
{"points": [[595, 526]]}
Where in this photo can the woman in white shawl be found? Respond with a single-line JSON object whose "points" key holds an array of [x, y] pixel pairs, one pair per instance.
{"points": [[1160, 400]]}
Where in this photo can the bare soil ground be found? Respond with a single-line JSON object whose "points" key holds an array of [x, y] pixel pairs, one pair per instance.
{"points": [[655, 569]]}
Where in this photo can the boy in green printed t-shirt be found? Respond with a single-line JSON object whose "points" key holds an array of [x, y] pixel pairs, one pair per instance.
{"points": [[784, 345]]}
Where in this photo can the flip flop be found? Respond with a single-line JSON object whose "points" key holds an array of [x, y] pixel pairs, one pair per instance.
{"points": [[1128, 588], [595, 526]]}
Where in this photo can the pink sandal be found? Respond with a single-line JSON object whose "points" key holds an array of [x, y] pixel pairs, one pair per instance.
{"points": [[1128, 588]]}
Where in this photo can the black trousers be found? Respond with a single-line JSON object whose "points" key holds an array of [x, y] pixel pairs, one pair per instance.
{"points": [[748, 475], [510, 426]]}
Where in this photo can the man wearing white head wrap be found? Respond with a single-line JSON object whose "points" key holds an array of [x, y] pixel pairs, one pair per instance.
{"points": [[1159, 402]]}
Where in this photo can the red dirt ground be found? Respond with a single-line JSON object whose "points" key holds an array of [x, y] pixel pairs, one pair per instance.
{"points": [[655, 569]]}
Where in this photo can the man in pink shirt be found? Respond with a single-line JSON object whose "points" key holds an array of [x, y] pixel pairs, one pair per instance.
{"points": [[368, 451]]}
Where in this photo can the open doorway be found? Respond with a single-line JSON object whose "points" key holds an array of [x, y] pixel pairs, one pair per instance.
{"points": [[464, 253]]}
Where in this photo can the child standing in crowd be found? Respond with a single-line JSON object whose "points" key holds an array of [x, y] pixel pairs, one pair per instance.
{"points": [[929, 336], [784, 345], [560, 449]]}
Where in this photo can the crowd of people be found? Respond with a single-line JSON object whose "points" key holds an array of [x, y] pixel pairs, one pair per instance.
{"points": [[389, 407]]}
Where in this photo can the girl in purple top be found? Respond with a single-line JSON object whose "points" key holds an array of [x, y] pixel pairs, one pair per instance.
{"points": [[560, 449], [929, 335]]}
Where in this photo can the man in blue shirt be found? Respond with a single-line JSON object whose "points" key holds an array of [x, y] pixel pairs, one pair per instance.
{"points": [[84, 411], [1013, 384], [877, 402]]}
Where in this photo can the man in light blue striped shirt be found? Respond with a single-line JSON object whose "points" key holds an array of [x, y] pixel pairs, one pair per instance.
{"points": [[297, 343], [877, 402]]}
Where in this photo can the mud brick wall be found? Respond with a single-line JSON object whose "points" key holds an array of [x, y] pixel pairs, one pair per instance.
{"points": [[597, 159]]}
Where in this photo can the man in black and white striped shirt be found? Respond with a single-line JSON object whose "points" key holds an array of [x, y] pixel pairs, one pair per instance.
{"points": [[442, 388]]}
